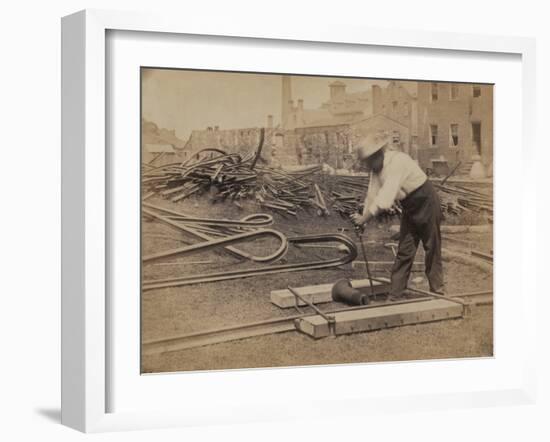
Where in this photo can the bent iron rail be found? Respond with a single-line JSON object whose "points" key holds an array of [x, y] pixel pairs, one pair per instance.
{"points": [[281, 268], [225, 241], [247, 221]]}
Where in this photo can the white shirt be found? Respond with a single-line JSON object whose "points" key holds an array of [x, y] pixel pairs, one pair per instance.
{"points": [[400, 175]]}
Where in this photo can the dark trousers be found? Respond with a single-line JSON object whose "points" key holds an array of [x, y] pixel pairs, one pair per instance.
{"points": [[420, 221]]}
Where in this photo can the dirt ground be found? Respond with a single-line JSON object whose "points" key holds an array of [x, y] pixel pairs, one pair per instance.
{"points": [[176, 311]]}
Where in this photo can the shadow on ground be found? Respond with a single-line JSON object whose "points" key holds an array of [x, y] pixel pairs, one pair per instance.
{"points": [[51, 414]]}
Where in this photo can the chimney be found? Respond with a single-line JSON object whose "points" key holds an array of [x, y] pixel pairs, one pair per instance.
{"points": [[270, 121], [286, 98], [376, 99], [337, 90]]}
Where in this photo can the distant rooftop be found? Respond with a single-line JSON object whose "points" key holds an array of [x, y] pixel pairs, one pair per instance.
{"points": [[159, 148]]}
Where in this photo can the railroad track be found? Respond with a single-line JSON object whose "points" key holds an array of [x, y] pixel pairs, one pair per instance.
{"points": [[273, 326]]}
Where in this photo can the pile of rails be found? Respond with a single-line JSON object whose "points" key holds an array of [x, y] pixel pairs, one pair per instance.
{"points": [[346, 192], [232, 177], [235, 177], [458, 199], [286, 193], [230, 174]]}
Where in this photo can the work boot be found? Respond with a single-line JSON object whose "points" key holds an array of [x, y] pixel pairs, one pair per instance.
{"points": [[441, 291]]}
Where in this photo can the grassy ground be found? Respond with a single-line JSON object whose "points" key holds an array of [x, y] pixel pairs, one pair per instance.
{"points": [[469, 337], [181, 310]]}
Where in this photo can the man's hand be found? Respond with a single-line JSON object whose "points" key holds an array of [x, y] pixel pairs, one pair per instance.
{"points": [[359, 219]]}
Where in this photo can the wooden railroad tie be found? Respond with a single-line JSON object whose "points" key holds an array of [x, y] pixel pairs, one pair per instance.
{"points": [[380, 317]]}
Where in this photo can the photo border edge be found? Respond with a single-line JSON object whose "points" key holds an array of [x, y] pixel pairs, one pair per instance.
{"points": [[84, 320]]}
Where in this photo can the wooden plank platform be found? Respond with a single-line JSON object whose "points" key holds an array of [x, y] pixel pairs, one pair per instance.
{"points": [[380, 317], [317, 294]]}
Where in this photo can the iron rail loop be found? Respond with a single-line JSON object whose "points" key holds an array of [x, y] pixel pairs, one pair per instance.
{"points": [[224, 241], [273, 269], [198, 231]]}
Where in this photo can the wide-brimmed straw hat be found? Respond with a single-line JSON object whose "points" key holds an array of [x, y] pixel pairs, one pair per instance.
{"points": [[371, 144]]}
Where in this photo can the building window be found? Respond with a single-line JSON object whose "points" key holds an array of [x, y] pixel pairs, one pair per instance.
{"points": [[453, 135], [406, 109], [476, 91], [433, 134], [394, 106], [434, 94], [396, 137], [454, 92], [476, 137]]}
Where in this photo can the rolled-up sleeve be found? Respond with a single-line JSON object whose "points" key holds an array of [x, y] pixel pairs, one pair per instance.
{"points": [[400, 176], [387, 194], [374, 187], [384, 195]]}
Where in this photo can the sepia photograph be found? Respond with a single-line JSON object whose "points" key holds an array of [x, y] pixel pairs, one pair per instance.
{"points": [[297, 220]]}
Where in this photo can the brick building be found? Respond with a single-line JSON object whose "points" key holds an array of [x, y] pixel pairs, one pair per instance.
{"points": [[427, 120], [455, 121]]}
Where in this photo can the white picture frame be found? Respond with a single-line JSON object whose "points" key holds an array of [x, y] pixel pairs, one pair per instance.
{"points": [[85, 310]]}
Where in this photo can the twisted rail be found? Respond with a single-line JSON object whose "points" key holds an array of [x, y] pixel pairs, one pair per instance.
{"points": [[272, 269]]}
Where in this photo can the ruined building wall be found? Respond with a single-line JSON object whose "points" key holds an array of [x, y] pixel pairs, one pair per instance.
{"points": [[244, 141], [324, 144]]}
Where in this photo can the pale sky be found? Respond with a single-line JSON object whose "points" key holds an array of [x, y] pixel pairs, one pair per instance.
{"points": [[188, 100]]}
